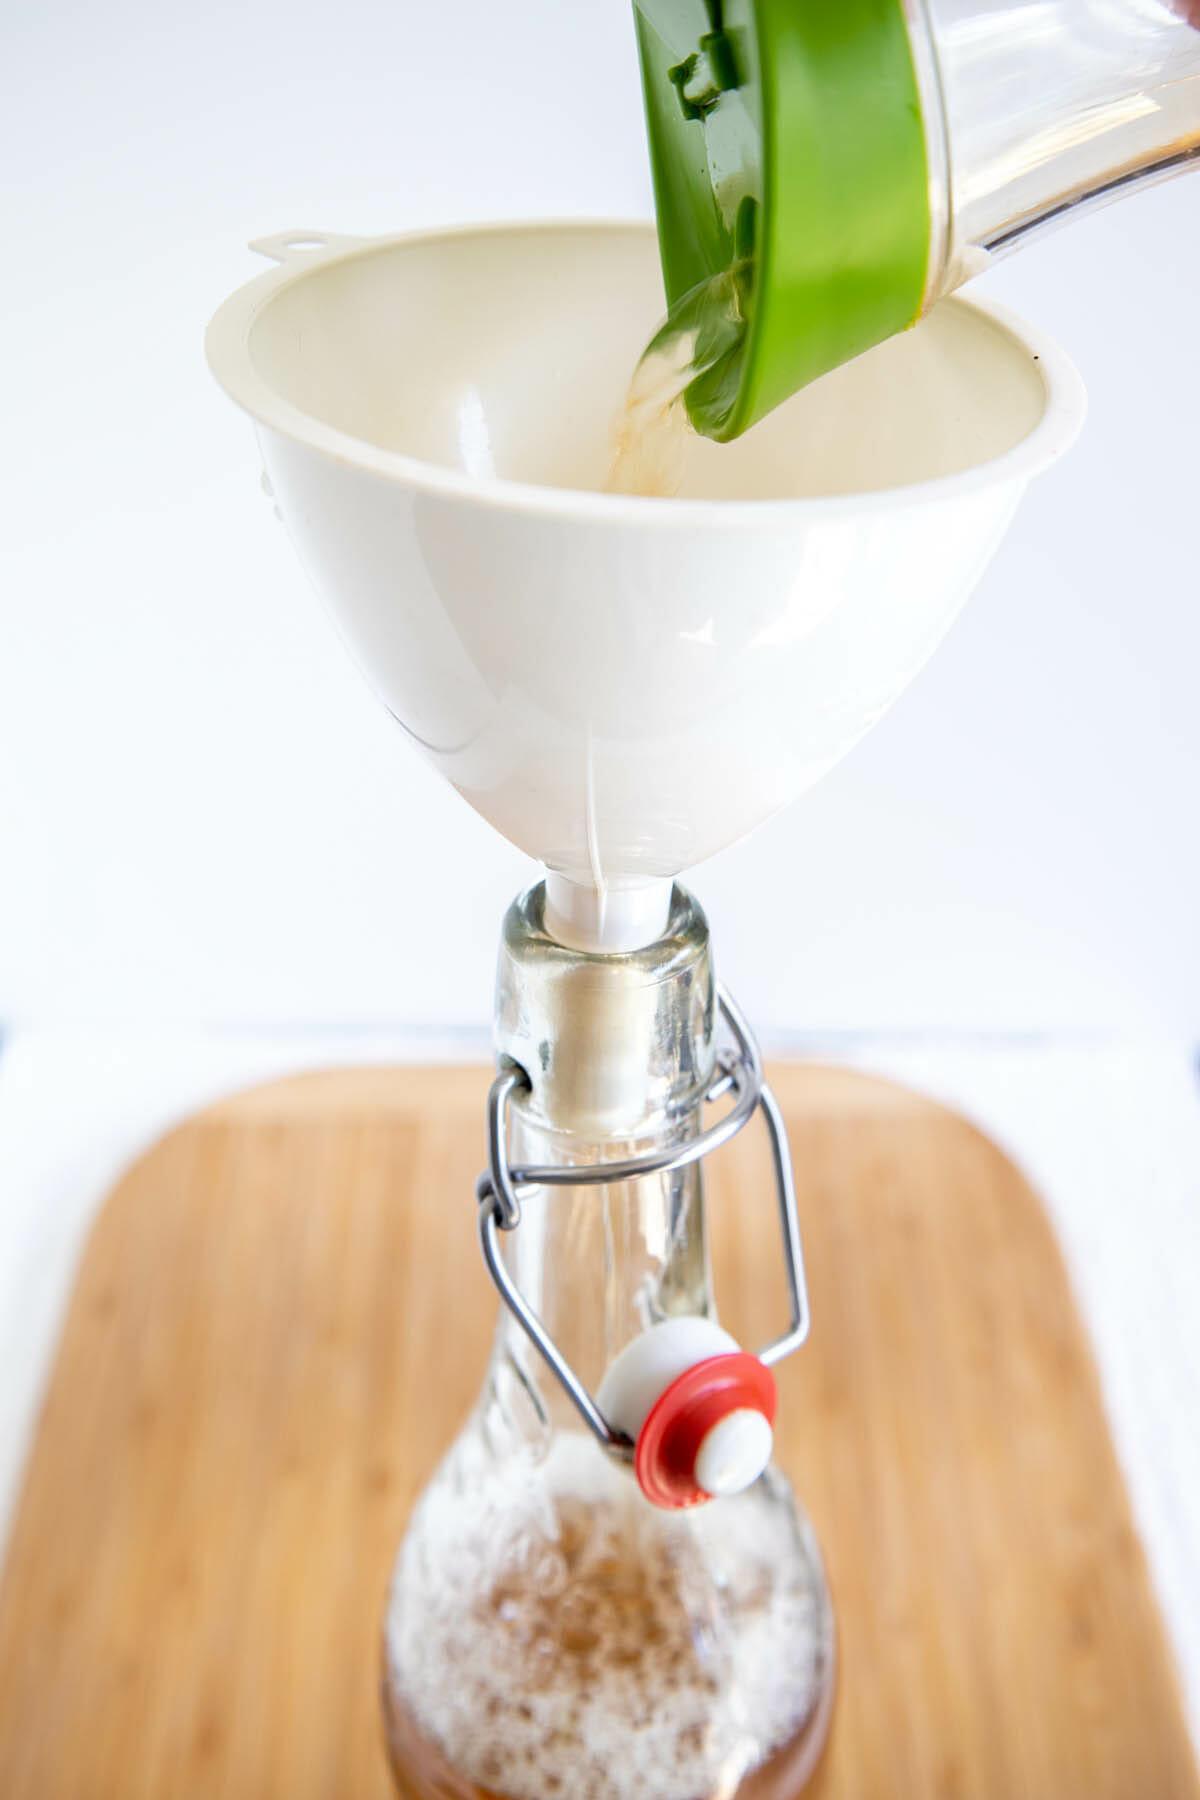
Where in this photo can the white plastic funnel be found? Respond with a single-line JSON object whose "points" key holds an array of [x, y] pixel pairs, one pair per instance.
{"points": [[621, 686]]}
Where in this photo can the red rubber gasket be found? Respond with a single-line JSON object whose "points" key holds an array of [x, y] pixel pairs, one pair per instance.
{"points": [[684, 1414]]}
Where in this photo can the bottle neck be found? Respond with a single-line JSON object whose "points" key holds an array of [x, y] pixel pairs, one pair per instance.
{"points": [[600, 1264], [618, 1051]]}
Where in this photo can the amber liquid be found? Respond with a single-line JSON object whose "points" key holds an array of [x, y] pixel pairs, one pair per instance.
{"points": [[620, 1625], [421, 1772], [651, 432]]}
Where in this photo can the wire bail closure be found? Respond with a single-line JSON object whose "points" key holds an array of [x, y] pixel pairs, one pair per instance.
{"points": [[498, 1191]]}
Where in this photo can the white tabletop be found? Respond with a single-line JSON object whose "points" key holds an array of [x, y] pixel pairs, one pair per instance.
{"points": [[1108, 1133]]}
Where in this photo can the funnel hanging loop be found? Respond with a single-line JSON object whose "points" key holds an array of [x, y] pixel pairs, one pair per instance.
{"points": [[288, 246], [739, 1068]]}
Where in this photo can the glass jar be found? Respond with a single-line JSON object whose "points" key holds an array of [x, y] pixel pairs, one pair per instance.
{"points": [[549, 1632], [1038, 107]]}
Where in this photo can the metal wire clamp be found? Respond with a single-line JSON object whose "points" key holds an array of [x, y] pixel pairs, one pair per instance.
{"points": [[498, 1192]]}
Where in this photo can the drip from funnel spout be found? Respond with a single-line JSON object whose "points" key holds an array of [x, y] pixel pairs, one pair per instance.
{"points": [[606, 922]]}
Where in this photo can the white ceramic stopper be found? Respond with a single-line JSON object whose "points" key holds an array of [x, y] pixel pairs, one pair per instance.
{"points": [[734, 1453], [648, 1365]]}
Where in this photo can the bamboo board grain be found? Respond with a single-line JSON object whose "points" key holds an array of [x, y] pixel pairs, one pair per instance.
{"points": [[281, 1317]]}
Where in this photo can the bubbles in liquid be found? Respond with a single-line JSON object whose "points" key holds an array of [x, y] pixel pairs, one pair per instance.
{"points": [[550, 1633], [651, 431]]}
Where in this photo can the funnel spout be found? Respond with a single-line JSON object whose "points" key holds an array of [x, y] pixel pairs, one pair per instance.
{"points": [[606, 921]]}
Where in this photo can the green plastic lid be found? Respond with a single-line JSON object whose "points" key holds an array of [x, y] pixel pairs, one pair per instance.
{"points": [[788, 152]]}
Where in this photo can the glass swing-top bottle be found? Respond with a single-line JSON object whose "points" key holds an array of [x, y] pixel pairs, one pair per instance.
{"points": [[572, 1612]]}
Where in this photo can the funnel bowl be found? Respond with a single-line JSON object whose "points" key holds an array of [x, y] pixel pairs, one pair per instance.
{"points": [[621, 686]]}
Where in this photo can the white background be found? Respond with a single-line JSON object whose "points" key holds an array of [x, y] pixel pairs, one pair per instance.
{"points": [[204, 818]]}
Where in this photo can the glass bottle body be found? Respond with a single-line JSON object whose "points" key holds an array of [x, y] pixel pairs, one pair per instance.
{"points": [[549, 1632]]}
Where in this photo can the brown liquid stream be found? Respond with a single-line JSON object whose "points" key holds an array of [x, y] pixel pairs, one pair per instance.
{"points": [[650, 434]]}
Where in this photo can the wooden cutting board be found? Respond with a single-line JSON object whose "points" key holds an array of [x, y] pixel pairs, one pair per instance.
{"points": [[244, 1407]]}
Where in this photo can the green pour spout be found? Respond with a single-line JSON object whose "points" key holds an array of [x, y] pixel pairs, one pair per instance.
{"points": [[788, 152]]}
